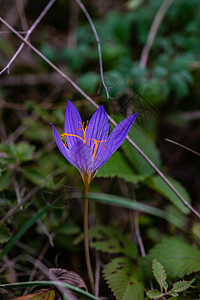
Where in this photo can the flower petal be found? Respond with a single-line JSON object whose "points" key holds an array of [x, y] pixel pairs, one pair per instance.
{"points": [[72, 122], [63, 149], [81, 157], [115, 139], [98, 126]]}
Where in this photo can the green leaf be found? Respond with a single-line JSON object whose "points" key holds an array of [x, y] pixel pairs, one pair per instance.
{"points": [[177, 257], [134, 205], [160, 275], [179, 84], [154, 294], [24, 151], [160, 186], [147, 145], [118, 166], [5, 181], [17, 153], [124, 279], [89, 82], [173, 294], [134, 4], [112, 240], [5, 234], [180, 286]]}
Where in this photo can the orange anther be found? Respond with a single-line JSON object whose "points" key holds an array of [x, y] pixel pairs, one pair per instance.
{"points": [[84, 128]]}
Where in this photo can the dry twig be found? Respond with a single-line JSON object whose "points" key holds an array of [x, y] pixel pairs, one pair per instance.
{"points": [[98, 43], [182, 146], [37, 21], [153, 30]]}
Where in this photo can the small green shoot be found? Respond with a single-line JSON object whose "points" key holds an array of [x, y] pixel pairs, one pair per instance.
{"points": [[160, 275]]}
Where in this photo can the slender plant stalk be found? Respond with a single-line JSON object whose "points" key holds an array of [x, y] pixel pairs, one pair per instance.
{"points": [[86, 237]]}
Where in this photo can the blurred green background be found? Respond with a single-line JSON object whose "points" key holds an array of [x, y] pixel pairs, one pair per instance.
{"points": [[165, 92]]}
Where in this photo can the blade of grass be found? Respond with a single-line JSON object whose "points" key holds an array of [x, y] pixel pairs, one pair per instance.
{"points": [[26, 226], [21, 285], [134, 205]]}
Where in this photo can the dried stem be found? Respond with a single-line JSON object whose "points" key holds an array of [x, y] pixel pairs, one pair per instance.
{"points": [[86, 238], [182, 146], [20, 5], [97, 274], [45, 231], [37, 263], [98, 43], [17, 190], [37, 21], [110, 119], [153, 30], [138, 235]]}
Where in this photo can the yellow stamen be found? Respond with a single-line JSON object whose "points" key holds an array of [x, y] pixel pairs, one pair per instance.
{"points": [[65, 139], [84, 128], [95, 144], [70, 134]]}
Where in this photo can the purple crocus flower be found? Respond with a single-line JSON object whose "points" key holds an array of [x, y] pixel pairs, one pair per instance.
{"points": [[87, 146]]}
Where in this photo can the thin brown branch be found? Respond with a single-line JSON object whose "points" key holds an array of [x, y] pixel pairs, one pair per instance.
{"points": [[97, 274], [37, 21], [26, 198], [98, 44], [8, 32], [110, 119], [16, 207], [153, 31], [138, 235], [21, 11], [40, 258], [45, 231], [17, 190], [64, 291], [182, 146]]}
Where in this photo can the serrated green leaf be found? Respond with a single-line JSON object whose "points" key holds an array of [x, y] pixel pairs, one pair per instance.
{"points": [[5, 234], [160, 186], [177, 257], [164, 284], [154, 294], [159, 273], [180, 286], [124, 279], [112, 240], [118, 166]]}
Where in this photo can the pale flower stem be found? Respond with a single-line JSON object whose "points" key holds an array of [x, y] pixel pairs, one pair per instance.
{"points": [[86, 239]]}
